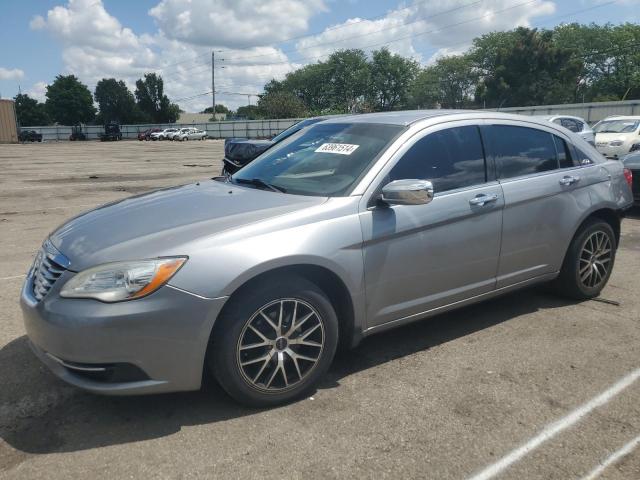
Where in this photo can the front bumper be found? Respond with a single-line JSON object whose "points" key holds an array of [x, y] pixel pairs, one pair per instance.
{"points": [[162, 338], [612, 152]]}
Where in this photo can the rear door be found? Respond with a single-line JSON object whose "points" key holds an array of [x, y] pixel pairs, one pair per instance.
{"points": [[421, 257], [544, 197]]}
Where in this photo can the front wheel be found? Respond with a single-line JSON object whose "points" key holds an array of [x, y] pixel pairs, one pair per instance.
{"points": [[274, 342], [589, 261]]}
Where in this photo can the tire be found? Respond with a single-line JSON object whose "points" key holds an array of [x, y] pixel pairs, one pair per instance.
{"points": [[589, 261], [279, 371]]}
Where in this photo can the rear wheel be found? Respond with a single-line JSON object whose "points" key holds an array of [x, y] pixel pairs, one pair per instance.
{"points": [[274, 343], [589, 261]]}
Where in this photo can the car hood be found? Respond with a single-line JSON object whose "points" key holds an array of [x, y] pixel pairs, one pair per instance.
{"points": [[609, 137], [243, 151], [165, 222], [632, 161]]}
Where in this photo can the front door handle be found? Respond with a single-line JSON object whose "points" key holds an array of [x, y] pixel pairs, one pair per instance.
{"points": [[482, 199], [569, 180]]}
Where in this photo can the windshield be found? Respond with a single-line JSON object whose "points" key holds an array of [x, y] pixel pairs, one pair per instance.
{"points": [[294, 128], [617, 126], [324, 160]]}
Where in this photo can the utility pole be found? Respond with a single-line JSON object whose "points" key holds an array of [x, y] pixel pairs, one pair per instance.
{"points": [[213, 83], [249, 99]]}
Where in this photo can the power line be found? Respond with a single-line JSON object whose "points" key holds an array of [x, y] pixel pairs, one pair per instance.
{"points": [[337, 27]]}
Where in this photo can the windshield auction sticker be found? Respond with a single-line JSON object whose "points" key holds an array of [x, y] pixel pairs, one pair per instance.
{"points": [[339, 148]]}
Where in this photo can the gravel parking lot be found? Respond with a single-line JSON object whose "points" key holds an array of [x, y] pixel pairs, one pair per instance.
{"points": [[528, 386]]}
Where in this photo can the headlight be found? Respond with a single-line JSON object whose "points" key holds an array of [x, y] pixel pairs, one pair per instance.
{"points": [[616, 143], [114, 282], [635, 147]]}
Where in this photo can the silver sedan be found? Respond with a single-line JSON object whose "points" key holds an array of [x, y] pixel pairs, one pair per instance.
{"points": [[349, 227]]}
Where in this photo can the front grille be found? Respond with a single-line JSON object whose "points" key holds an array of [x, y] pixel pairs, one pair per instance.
{"points": [[47, 269]]}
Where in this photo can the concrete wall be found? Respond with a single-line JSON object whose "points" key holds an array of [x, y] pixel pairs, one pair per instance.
{"points": [[8, 127], [591, 112], [244, 129]]}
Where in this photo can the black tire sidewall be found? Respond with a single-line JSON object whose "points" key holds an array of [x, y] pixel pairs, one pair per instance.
{"points": [[222, 355], [570, 270]]}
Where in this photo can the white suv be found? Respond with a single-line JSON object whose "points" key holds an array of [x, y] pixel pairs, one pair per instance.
{"points": [[616, 136]]}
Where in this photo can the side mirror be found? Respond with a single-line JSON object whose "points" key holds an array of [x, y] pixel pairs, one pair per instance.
{"points": [[408, 192]]}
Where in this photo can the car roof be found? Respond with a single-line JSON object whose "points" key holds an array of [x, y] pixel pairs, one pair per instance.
{"points": [[549, 117], [409, 117], [622, 117]]}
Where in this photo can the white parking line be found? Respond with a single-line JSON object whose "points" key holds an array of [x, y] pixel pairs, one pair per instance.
{"points": [[615, 456], [12, 277], [556, 427]]}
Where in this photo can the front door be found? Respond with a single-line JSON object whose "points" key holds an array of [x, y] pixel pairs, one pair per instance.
{"points": [[420, 257]]}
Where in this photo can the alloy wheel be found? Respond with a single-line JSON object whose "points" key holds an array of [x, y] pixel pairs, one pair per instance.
{"points": [[595, 259], [280, 345]]}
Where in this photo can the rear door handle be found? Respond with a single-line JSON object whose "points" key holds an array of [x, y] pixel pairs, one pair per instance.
{"points": [[482, 199], [569, 180]]}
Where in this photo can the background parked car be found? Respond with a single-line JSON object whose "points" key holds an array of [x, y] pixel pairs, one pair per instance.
{"points": [[238, 152], [163, 134], [575, 124], [189, 134], [632, 162], [146, 135], [111, 132], [617, 136], [29, 136]]}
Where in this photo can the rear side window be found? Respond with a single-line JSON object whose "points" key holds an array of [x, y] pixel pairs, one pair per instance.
{"points": [[450, 159], [520, 150], [564, 153], [570, 124]]}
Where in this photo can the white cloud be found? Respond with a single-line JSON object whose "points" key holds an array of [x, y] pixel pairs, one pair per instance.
{"points": [[447, 26], [38, 91], [234, 23], [11, 74], [358, 33], [96, 45]]}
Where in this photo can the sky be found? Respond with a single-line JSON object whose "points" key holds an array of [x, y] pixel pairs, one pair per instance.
{"points": [[253, 40]]}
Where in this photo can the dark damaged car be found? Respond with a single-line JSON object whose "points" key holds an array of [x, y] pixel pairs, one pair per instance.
{"points": [[238, 152]]}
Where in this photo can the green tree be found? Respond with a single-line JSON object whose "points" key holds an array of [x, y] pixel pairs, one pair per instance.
{"points": [[449, 83], [392, 77], [609, 57], [250, 112], [347, 76], [116, 102], [69, 101], [524, 67], [219, 109], [30, 112], [281, 105], [153, 102]]}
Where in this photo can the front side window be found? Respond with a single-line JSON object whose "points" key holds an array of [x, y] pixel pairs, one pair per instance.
{"points": [[325, 159], [520, 150], [450, 159]]}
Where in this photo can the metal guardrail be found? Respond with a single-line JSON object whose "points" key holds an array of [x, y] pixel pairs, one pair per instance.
{"points": [[244, 129]]}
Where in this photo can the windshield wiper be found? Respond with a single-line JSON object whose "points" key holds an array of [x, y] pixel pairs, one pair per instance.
{"points": [[257, 182]]}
